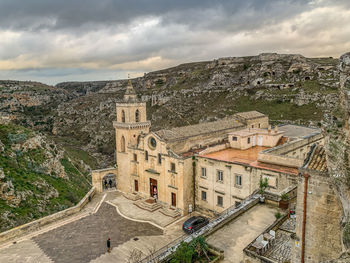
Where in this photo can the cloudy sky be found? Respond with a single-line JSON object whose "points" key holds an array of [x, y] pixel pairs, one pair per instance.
{"points": [[65, 40]]}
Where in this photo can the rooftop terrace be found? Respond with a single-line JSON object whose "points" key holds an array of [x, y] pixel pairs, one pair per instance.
{"points": [[296, 131], [248, 156]]}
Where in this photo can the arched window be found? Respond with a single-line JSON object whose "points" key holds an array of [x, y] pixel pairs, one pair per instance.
{"points": [[137, 116], [122, 144], [123, 116]]}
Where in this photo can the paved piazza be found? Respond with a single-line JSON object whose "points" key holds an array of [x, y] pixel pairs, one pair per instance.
{"points": [[84, 239], [237, 234]]}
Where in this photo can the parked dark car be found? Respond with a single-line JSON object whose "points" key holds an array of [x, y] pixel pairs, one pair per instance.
{"points": [[194, 223]]}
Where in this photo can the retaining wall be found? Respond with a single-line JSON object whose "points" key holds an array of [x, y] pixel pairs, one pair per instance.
{"points": [[22, 230]]}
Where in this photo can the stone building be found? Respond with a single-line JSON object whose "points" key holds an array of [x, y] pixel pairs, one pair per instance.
{"points": [[182, 167], [228, 173], [319, 212]]}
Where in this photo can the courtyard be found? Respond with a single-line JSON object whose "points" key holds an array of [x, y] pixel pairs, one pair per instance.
{"points": [[236, 235], [84, 239]]}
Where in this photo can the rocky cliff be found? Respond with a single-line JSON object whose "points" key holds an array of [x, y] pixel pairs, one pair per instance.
{"points": [[289, 88], [37, 178]]}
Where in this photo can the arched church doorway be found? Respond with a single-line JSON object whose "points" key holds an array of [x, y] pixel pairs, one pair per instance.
{"points": [[109, 182]]}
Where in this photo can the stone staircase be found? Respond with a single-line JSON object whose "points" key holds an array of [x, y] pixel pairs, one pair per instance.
{"points": [[132, 196], [169, 211], [148, 205]]}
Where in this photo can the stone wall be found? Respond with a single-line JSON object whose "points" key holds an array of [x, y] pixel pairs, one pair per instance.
{"points": [[323, 219], [291, 154], [227, 189], [37, 224]]}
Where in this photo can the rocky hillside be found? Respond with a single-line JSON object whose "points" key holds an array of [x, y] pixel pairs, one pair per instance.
{"points": [[289, 88], [338, 147], [37, 178]]}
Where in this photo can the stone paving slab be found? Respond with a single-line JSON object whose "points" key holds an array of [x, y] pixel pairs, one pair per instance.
{"points": [[236, 235], [26, 251], [85, 239], [82, 237], [281, 250]]}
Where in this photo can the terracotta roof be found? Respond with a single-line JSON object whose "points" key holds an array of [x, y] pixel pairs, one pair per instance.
{"points": [[317, 160], [184, 132], [250, 115], [247, 156], [276, 168]]}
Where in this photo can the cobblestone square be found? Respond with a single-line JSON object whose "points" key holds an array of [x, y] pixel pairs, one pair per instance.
{"points": [[85, 239]]}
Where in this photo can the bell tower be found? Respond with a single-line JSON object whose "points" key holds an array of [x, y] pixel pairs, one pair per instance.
{"points": [[131, 122]]}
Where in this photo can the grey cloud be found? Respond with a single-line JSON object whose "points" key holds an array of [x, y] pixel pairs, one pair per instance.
{"points": [[38, 15]]}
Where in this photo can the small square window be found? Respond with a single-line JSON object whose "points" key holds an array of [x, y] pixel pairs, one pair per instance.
{"points": [[204, 196], [234, 138], [220, 201]]}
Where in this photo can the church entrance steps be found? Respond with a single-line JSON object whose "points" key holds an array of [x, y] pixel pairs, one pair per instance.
{"points": [[148, 204], [172, 212], [130, 210], [132, 196]]}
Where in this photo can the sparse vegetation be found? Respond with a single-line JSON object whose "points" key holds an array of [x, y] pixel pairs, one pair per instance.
{"points": [[26, 180], [196, 251], [278, 215]]}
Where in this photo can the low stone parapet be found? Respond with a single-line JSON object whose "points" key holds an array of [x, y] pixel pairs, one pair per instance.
{"points": [[22, 230]]}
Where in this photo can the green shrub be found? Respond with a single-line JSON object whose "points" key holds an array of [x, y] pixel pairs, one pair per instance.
{"points": [[196, 250], [284, 197], [263, 184], [278, 215], [183, 254]]}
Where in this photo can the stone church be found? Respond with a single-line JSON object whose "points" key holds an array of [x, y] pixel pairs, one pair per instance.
{"points": [[189, 166]]}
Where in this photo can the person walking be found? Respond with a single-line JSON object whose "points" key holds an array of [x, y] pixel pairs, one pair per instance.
{"points": [[106, 185], [110, 183], [109, 245]]}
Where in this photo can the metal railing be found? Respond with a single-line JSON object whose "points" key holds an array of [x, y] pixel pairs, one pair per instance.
{"points": [[171, 247]]}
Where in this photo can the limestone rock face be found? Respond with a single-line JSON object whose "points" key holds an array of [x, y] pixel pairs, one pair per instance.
{"points": [[36, 177], [338, 146]]}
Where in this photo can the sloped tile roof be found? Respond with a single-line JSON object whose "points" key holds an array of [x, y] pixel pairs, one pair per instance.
{"points": [[250, 115], [317, 160], [185, 132]]}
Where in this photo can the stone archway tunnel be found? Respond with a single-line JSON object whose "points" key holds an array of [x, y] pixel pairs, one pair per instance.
{"points": [[98, 175]]}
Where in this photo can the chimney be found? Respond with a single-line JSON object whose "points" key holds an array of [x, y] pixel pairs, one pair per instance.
{"points": [[269, 129], [276, 129]]}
